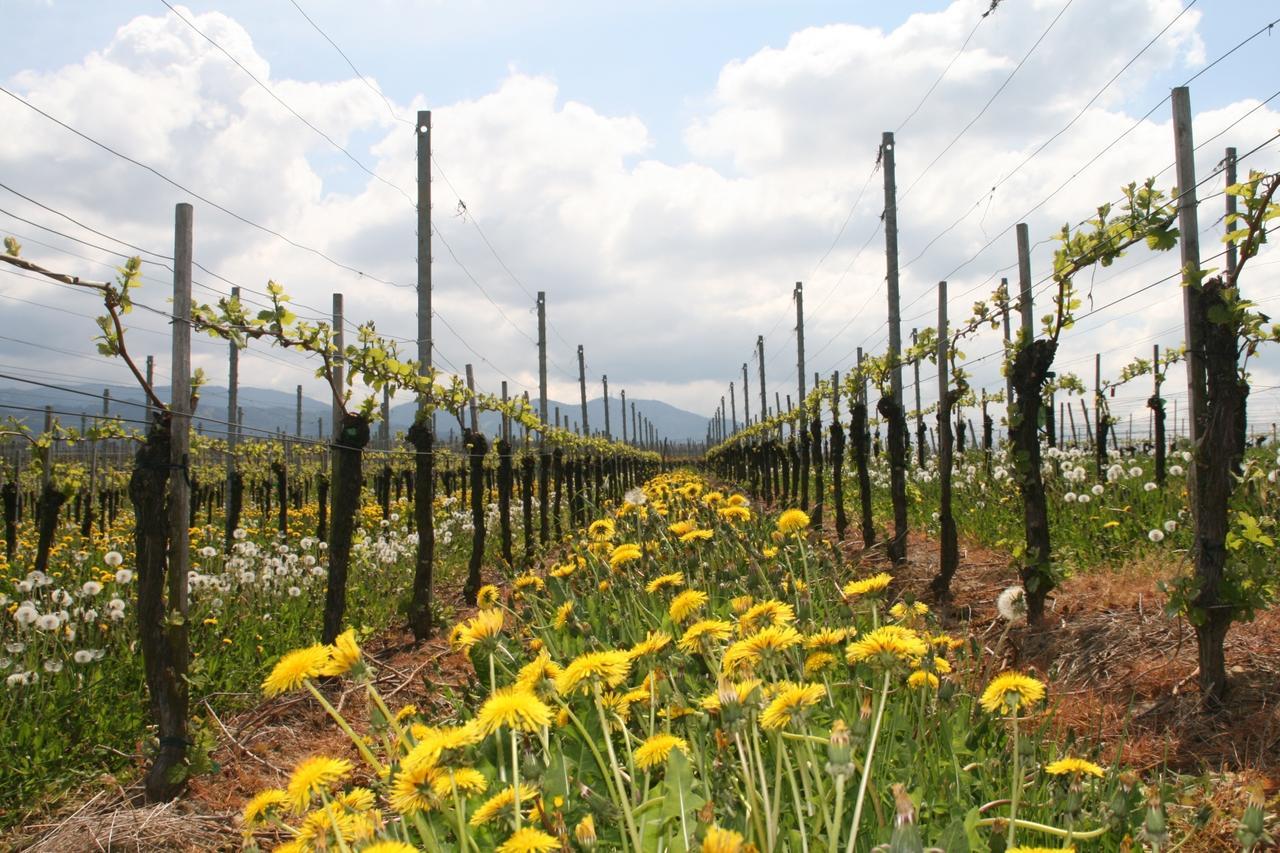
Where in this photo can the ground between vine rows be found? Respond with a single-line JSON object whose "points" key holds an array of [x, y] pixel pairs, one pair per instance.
{"points": [[1122, 673]]}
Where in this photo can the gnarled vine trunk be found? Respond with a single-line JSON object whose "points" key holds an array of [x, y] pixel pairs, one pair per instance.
{"points": [[348, 452], [1030, 369], [897, 428], [477, 446], [422, 440]]}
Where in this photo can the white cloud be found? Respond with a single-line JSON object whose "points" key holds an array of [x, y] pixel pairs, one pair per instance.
{"points": [[666, 271]]}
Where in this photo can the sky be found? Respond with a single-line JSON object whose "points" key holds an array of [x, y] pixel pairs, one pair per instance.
{"points": [[664, 171]]}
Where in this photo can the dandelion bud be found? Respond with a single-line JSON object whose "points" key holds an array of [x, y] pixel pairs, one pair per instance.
{"points": [[1252, 832], [840, 750], [585, 833], [906, 836], [730, 707], [1155, 828]]}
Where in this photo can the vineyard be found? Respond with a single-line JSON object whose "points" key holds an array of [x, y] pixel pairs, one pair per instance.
{"points": [[998, 607]]}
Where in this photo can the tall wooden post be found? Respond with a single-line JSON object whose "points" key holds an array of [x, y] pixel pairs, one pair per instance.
{"points": [[733, 409], [764, 397], [746, 398], [798, 296], [915, 374], [891, 261], [297, 412], [475, 412], [338, 371], [1189, 241], [582, 388], [426, 349], [173, 731], [542, 356], [1024, 282], [233, 406], [623, 395], [607, 433]]}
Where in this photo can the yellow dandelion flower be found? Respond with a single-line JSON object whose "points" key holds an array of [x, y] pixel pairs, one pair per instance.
{"points": [[793, 521], [264, 805], [828, 638], [485, 625], [741, 604], [563, 612], [538, 671], [887, 645], [413, 788], [750, 651], [294, 668], [656, 749], [719, 840], [670, 581], [818, 662], [585, 833], [1074, 767], [529, 582], [704, 632], [513, 708], [343, 654], [314, 775], [607, 667], [628, 552], [602, 528], [563, 571], [789, 704], [487, 596], [406, 712], [734, 513], [1009, 691], [358, 799], [464, 780], [503, 802], [902, 610], [699, 535], [387, 847], [738, 500], [435, 744], [921, 678], [769, 552], [870, 587], [529, 840], [652, 643], [771, 612], [680, 528], [686, 604]]}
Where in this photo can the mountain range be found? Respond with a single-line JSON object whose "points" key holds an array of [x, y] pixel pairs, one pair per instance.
{"points": [[267, 411]]}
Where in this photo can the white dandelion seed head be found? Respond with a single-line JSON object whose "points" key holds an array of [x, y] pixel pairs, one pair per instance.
{"points": [[1149, 487], [1175, 470], [1012, 604], [124, 576], [91, 588], [1084, 499], [1156, 535], [1097, 489], [1170, 526], [635, 497], [113, 558], [1070, 497]]}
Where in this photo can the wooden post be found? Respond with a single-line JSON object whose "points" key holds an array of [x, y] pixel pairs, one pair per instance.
{"points": [[385, 427], [233, 406], [542, 357], [1008, 379], [1189, 241], [1024, 283], [746, 398], [151, 382], [635, 429], [297, 406], [475, 414], [338, 371], [179, 459], [915, 370], [623, 395], [764, 397], [506, 418], [798, 295], [424, 284], [891, 263], [607, 432], [733, 409], [582, 388]]}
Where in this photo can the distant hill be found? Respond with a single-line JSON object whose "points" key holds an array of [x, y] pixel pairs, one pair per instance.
{"points": [[267, 410]]}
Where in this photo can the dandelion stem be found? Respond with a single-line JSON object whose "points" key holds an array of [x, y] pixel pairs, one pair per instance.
{"points": [[360, 745], [624, 798], [866, 767], [515, 775], [833, 841], [1017, 784], [1081, 835]]}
